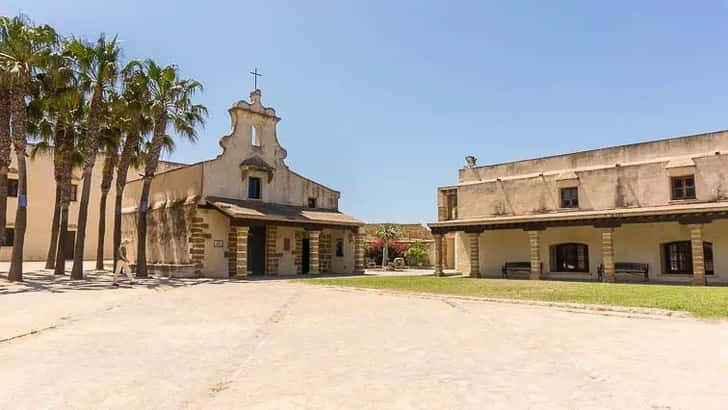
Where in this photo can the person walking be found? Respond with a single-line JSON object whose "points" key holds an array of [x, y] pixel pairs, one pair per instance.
{"points": [[122, 264]]}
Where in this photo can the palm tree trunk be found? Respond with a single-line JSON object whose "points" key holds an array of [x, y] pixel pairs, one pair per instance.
{"points": [[21, 213], [77, 269], [132, 139], [141, 267], [65, 182], [106, 180], [385, 253], [160, 127], [5, 144], [57, 171], [89, 160], [51, 257]]}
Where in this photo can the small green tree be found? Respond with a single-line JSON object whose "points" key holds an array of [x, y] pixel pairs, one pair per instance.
{"points": [[387, 233], [416, 254]]}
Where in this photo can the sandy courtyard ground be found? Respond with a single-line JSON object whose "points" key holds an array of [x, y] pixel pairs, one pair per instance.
{"points": [[274, 344]]}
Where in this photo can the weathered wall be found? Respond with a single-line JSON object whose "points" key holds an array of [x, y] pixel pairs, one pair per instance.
{"points": [[641, 179], [168, 231], [342, 264], [181, 184]]}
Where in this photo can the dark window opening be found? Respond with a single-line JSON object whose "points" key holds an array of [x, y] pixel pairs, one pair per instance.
{"points": [[312, 202], [678, 257], [254, 188], [683, 187], [570, 197], [570, 257], [9, 238], [12, 188], [339, 247], [73, 196], [452, 206]]}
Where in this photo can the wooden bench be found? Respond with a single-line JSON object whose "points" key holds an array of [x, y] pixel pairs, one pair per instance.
{"points": [[513, 267], [636, 269]]}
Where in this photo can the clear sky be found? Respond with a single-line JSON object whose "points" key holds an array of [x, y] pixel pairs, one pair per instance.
{"points": [[382, 100]]}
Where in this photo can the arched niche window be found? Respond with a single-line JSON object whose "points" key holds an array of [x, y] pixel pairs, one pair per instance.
{"points": [[254, 137], [677, 257], [570, 257]]}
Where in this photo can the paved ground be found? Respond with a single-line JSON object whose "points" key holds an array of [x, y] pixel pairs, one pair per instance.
{"points": [[274, 344]]}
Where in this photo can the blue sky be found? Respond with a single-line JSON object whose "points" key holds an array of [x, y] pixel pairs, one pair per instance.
{"points": [[382, 100]]}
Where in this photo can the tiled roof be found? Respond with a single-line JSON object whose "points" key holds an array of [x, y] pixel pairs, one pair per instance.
{"points": [[251, 209]]}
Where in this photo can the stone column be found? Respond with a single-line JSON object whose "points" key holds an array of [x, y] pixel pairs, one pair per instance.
{"points": [[241, 250], [608, 254], [474, 241], [271, 254], [359, 249], [696, 242], [313, 259], [438, 237], [534, 246]]}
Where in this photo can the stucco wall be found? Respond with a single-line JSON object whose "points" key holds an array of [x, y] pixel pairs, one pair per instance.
{"points": [[612, 178], [342, 264], [181, 184], [41, 197], [215, 263]]}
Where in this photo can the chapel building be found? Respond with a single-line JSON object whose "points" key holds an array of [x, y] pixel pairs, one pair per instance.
{"points": [[653, 211], [245, 212]]}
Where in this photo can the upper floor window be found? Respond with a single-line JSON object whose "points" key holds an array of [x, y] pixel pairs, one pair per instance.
{"points": [[312, 202], [452, 206], [74, 193], [12, 187], [253, 187], [570, 197], [254, 137], [678, 257], [570, 257], [683, 187]]}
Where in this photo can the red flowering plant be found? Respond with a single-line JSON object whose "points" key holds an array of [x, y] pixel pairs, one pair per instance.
{"points": [[394, 250]]}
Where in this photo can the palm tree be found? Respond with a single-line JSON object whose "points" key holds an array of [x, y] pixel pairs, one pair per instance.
{"points": [[133, 108], [97, 70], [171, 102], [387, 233], [73, 120], [46, 121], [5, 148], [24, 49]]}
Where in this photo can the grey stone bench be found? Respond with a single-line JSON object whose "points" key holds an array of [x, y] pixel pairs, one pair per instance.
{"points": [[640, 270]]}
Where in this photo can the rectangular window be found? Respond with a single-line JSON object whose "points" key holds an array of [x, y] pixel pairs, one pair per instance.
{"points": [[570, 257], [683, 187], [570, 197], [286, 244], [9, 238], [312, 202], [254, 188], [452, 206], [339, 247], [678, 258], [74, 193], [12, 187]]}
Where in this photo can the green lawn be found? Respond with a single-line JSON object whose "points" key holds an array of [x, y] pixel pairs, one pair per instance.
{"points": [[699, 301]]}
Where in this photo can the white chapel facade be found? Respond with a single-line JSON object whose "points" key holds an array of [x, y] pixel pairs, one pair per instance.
{"points": [[245, 212]]}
